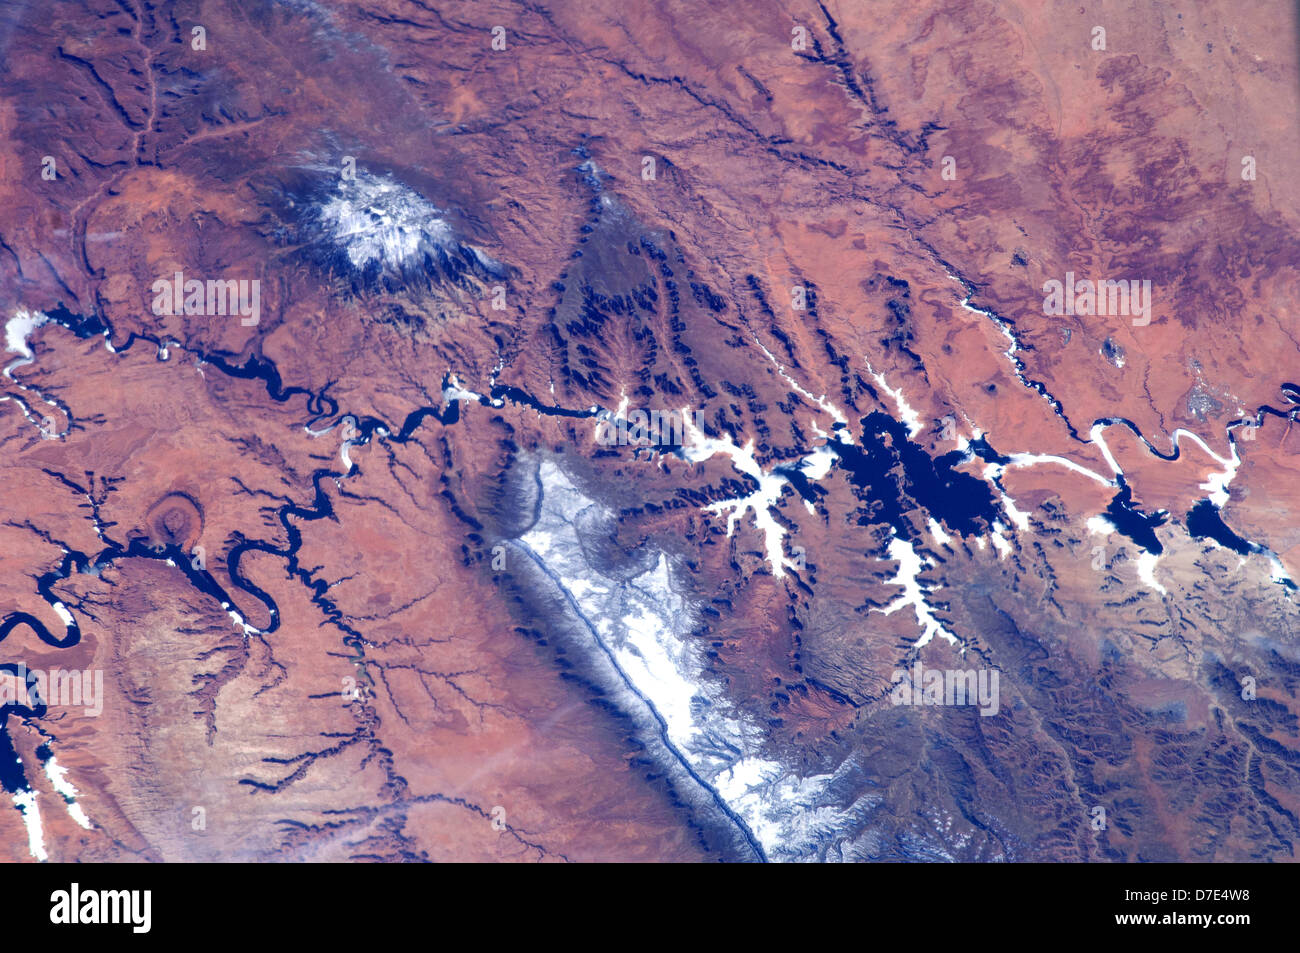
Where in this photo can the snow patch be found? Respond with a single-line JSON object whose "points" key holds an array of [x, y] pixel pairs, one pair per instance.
{"points": [[19, 327], [1146, 570], [58, 776], [910, 565], [25, 801], [378, 220], [905, 413]]}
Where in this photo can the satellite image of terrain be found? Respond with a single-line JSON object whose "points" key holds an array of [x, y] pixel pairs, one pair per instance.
{"points": [[642, 430]]}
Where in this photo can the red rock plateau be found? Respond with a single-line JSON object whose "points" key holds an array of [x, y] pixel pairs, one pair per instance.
{"points": [[364, 581]]}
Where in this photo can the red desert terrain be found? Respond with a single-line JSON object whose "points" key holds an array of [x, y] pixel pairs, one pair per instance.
{"points": [[365, 571]]}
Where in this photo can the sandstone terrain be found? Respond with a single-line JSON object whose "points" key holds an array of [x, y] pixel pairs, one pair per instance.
{"points": [[366, 577]]}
